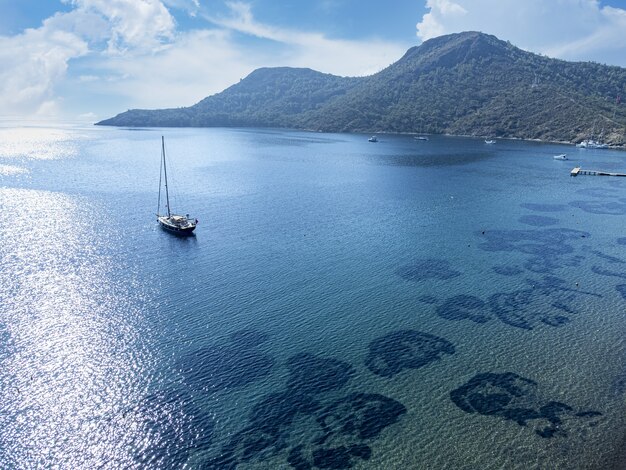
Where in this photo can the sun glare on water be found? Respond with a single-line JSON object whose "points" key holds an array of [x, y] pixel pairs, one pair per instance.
{"points": [[69, 357]]}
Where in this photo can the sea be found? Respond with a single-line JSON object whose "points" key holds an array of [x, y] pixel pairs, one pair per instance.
{"points": [[404, 304]]}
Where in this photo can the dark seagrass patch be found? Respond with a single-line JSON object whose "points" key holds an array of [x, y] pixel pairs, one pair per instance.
{"points": [[405, 349], [512, 397]]}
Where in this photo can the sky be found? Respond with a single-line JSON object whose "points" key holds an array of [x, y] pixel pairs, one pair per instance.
{"points": [[92, 59]]}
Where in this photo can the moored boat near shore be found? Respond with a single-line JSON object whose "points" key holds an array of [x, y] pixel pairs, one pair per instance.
{"points": [[592, 144]]}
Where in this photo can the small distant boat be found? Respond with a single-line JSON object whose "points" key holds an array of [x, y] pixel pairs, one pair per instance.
{"points": [[179, 224], [561, 156], [373, 139], [490, 141], [592, 144], [420, 137]]}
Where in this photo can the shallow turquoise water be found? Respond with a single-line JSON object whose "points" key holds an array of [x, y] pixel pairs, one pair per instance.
{"points": [[344, 304]]}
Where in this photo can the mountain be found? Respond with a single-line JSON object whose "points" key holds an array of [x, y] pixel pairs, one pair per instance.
{"points": [[465, 84]]}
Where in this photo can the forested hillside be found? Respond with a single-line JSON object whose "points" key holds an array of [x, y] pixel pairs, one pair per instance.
{"points": [[465, 84]]}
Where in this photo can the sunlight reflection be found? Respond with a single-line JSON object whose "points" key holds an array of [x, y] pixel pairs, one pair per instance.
{"points": [[9, 170], [38, 143], [72, 352]]}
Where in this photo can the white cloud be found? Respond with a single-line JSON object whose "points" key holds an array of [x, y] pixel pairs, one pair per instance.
{"points": [[36, 61], [136, 24], [567, 29], [314, 50], [32, 63], [197, 64]]}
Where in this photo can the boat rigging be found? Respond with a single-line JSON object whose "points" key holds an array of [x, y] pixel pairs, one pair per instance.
{"points": [[175, 223]]}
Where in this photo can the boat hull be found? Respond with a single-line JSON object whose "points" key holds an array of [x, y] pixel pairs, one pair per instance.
{"points": [[185, 227], [177, 230]]}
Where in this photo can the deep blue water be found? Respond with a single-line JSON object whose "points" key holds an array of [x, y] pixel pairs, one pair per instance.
{"points": [[343, 304]]}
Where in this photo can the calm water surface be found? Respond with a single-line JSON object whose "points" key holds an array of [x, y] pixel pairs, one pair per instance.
{"points": [[343, 304]]}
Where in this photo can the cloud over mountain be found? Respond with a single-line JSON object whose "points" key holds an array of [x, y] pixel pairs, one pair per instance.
{"points": [[565, 29]]}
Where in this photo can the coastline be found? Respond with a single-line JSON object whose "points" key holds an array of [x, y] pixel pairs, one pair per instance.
{"points": [[621, 146]]}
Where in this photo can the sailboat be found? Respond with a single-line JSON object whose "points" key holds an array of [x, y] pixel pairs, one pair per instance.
{"points": [[180, 224], [590, 143]]}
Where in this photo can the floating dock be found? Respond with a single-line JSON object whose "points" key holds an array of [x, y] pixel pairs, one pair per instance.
{"points": [[579, 171]]}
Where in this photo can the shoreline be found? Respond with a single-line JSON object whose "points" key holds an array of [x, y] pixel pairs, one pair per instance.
{"points": [[563, 142]]}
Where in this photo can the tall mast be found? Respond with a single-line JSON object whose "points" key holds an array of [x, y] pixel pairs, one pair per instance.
{"points": [[167, 195], [158, 212]]}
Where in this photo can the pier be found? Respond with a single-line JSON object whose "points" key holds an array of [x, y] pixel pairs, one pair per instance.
{"points": [[579, 171]]}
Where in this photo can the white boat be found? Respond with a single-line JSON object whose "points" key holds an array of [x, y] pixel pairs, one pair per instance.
{"points": [[561, 156], [490, 141], [175, 223], [420, 137], [373, 139], [592, 144]]}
